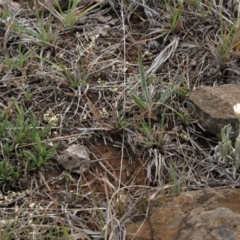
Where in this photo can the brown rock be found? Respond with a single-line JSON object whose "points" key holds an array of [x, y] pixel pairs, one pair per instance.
{"points": [[210, 214], [213, 106], [219, 223]]}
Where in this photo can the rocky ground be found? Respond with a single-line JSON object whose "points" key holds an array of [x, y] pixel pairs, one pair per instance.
{"points": [[133, 92], [205, 214]]}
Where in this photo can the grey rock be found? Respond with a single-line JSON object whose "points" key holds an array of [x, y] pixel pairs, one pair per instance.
{"points": [[65, 196], [213, 107], [75, 158]]}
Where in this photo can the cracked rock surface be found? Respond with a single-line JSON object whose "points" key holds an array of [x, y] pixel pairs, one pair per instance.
{"points": [[209, 214]]}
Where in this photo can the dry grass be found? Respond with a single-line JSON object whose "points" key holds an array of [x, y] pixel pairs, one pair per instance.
{"points": [[86, 70]]}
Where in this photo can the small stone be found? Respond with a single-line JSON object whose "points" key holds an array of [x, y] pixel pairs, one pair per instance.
{"points": [[65, 196], [75, 158]]}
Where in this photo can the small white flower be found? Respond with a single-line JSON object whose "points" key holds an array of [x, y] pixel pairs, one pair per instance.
{"points": [[236, 109]]}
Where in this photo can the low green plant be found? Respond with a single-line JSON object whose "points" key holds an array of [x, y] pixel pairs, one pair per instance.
{"points": [[147, 102], [174, 13], [195, 3], [20, 128], [75, 81], [38, 156], [225, 145], [16, 62], [8, 147], [8, 173], [145, 126], [44, 34], [174, 180], [8, 228], [152, 105], [237, 151], [67, 178], [26, 131], [71, 15], [3, 125], [229, 40], [28, 95], [36, 129], [146, 105], [236, 109], [203, 9], [150, 102], [225, 148], [72, 80], [79, 76]]}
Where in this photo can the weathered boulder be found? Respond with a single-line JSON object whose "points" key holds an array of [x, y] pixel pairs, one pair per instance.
{"points": [[210, 214], [213, 107]]}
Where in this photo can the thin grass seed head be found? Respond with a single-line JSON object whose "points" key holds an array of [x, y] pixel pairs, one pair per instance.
{"points": [[236, 109]]}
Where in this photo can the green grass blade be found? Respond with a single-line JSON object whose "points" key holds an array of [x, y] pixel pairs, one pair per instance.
{"points": [[141, 104], [147, 97]]}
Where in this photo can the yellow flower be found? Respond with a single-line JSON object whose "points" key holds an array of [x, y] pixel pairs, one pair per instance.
{"points": [[236, 109]]}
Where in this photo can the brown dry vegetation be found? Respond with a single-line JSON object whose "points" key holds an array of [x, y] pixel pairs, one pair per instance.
{"points": [[86, 71]]}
